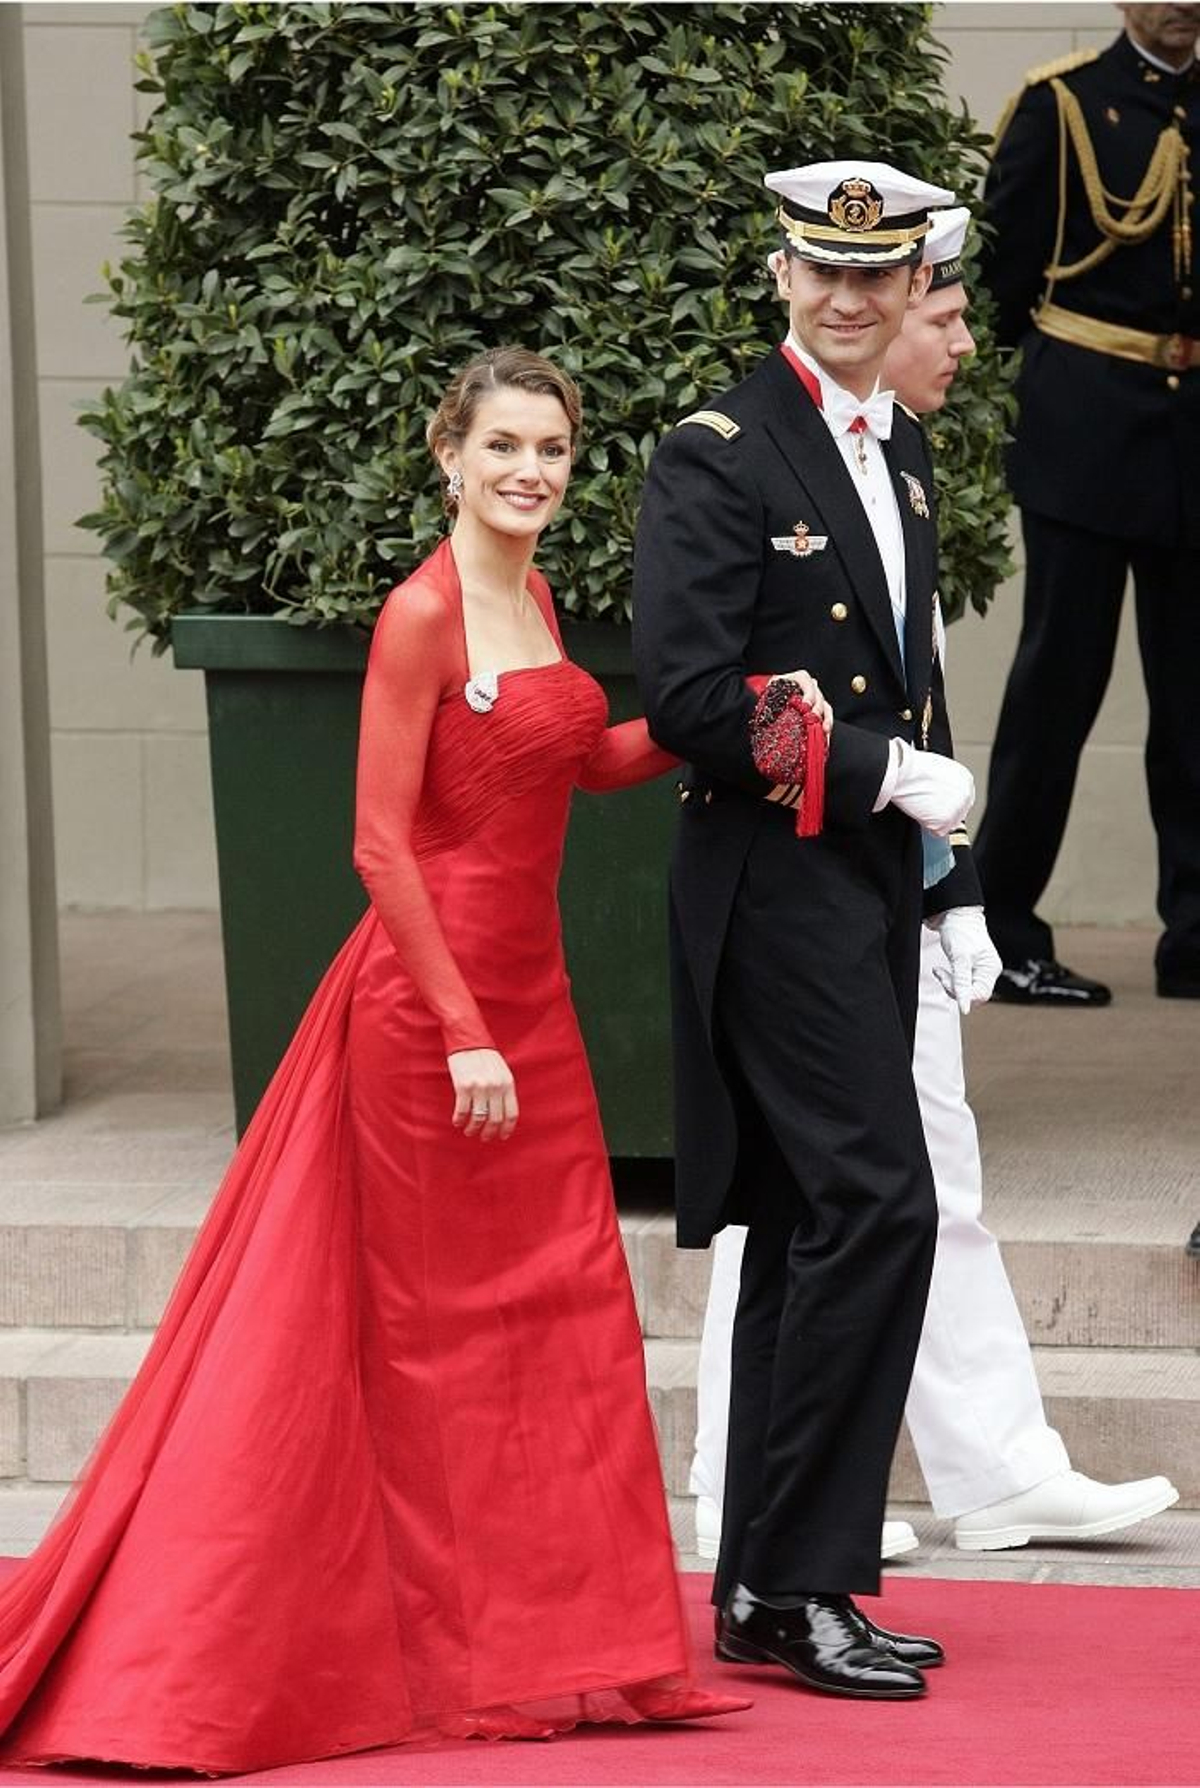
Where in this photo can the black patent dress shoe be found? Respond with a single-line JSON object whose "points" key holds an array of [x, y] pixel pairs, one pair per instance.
{"points": [[1039, 982], [823, 1641], [910, 1648]]}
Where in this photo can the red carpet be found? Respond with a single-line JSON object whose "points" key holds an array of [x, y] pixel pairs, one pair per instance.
{"points": [[1046, 1684]]}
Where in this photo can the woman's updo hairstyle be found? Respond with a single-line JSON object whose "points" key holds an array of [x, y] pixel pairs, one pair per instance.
{"points": [[488, 372]]}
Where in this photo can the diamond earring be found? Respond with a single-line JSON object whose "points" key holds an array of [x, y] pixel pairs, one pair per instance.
{"points": [[454, 486]]}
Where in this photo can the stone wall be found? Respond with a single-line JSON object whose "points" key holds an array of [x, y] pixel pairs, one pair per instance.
{"points": [[133, 820], [133, 817]]}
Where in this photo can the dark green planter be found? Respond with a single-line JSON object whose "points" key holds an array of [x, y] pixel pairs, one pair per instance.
{"points": [[283, 728]]}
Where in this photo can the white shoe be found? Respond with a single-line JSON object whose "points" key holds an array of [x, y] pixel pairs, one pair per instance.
{"points": [[1067, 1506], [708, 1527], [897, 1536]]}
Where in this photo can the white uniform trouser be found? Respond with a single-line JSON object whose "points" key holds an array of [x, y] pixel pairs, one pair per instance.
{"points": [[974, 1409]]}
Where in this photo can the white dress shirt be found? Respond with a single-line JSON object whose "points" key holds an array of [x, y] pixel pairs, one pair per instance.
{"points": [[874, 484], [878, 498]]}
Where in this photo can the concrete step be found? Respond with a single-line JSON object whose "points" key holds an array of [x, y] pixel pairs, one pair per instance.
{"points": [[1122, 1414], [1165, 1550], [1080, 1278], [104, 1256], [26, 1513], [94, 1255], [58, 1388]]}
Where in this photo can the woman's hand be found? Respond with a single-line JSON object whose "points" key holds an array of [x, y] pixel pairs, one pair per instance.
{"points": [[810, 689], [485, 1094]]}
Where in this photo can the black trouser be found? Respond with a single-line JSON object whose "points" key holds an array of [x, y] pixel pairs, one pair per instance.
{"points": [[1074, 585], [815, 1006]]}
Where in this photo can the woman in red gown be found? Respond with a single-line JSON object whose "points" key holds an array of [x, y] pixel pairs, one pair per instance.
{"points": [[389, 1469]]}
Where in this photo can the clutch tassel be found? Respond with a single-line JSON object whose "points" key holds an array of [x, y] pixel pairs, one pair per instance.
{"points": [[789, 746], [810, 815]]}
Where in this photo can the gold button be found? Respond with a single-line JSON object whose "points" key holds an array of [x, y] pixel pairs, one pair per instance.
{"points": [[1180, 112], [839, 611], [685, 794], [708, 797], [1173, 382], [859, 685], [1185, 291], [906, 713]]}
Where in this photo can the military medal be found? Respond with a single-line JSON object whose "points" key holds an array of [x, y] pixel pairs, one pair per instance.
{"points": [[916, 495], [927, 710]]}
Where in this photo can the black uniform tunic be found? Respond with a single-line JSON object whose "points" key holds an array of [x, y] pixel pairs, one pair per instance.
{"points": [[1106, 469], [795, 961]]}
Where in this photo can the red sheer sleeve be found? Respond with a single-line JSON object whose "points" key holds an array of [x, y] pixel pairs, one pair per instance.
{"points": [[625, 754], [413, 661]]}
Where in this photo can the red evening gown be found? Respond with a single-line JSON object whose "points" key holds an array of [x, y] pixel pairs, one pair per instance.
{"points": [[389, 1467]]}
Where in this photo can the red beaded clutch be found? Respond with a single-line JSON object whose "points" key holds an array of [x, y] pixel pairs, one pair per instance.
{"points": [[789, 747]]}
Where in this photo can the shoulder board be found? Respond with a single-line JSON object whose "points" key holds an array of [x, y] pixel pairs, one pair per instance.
{"points": [[1049, 71], [721, 425], [1045, 71]]}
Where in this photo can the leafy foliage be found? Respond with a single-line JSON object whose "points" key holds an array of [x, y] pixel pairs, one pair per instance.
{"points": [[350, 199], [967, 437]]}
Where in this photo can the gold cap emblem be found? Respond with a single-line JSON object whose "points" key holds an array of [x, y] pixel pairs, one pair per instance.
{"points": [[855, 205]]}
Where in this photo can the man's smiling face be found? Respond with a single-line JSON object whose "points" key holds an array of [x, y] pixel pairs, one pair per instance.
{"points": [[847, 317]]}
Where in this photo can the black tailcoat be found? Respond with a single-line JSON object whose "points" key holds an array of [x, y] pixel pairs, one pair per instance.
{"points": [[795, 961], [716, 601]]}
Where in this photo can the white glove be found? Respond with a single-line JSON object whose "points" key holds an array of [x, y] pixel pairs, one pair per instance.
{"points": [[973, 957], [935, 791]]}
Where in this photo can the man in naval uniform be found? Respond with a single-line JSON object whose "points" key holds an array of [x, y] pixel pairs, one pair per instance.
{"points": [[992, 1463], [791, 524], [1094, 268]]}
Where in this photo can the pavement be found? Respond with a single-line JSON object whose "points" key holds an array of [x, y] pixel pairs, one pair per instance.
{"points": [[1091, 1124]]}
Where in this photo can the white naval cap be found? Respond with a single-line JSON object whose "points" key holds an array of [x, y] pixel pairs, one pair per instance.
{"points": [[944, 246], [854, 213]]}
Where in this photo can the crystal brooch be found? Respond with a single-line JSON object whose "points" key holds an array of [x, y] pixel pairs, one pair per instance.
{"points": [[482, 692]]}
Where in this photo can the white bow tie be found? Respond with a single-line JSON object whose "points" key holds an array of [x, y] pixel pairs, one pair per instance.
{"points": [[842, 408]]}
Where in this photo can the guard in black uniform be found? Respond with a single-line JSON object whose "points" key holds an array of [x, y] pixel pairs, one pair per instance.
{"points": [[791, 524], [1094, 267]]}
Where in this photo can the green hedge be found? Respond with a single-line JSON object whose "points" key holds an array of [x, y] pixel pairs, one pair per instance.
{"points": [[351, 199]]}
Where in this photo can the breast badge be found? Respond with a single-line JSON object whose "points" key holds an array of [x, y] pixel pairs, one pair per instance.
{"points": [[916, 495], [800, 543]]}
